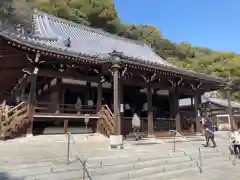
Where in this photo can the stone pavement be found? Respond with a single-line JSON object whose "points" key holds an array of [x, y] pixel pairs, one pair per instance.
{"points": [[45, 157]]}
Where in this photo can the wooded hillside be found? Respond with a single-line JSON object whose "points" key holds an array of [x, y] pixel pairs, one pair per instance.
{"points": [[102, 14]]}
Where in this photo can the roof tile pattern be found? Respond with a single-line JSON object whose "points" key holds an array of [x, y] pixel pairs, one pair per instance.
{"points": [[90, 41]]}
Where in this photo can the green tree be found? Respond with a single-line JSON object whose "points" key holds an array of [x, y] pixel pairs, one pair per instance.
{"points": [[18, 12]]}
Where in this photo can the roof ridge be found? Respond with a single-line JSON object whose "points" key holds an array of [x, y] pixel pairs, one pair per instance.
{"points": [[99, 31]]}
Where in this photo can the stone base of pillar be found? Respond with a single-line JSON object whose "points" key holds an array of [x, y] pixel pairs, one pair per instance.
{"points": [[29, 132], [116, 141], [151, 136], [2, 137], [29, 135], [192, 128]]}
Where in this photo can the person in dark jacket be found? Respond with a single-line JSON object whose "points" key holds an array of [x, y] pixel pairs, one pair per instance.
{"points": [[209, 133]]}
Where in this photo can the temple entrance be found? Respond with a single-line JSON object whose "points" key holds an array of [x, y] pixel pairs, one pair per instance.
{"points": [[161, 114], [70, 96]]}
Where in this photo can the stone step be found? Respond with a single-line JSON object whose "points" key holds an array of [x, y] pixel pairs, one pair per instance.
{"points": [[134, 162], [188, 172], [122, 171], [169, 174], [116, 175]]}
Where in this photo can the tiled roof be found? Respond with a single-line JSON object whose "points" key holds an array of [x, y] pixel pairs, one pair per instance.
{"points": [[53, 34], [91, 41], [224, 102], [220, 102]]}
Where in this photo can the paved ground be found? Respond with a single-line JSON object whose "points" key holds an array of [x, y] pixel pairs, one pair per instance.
{"points": [[51, 151]]}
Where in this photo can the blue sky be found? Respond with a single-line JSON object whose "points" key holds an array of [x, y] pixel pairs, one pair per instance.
{"points": [[211, 23]]}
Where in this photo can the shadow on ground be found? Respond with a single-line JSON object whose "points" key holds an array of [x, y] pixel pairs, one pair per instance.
{"points": [[6, 176]]}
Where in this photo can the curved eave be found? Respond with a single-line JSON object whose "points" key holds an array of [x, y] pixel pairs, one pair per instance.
{"points": [[34, 46]]}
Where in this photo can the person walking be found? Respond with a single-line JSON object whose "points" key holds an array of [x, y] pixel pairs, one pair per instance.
{"points": [[235, 142], [209, 133]]}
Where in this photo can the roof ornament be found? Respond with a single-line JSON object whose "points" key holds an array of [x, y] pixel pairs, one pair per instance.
{"points": [[116, 56], [65, 41]]}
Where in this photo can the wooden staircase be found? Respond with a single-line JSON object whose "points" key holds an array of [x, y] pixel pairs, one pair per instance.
{"points": [[14, 122], [106, 120]]}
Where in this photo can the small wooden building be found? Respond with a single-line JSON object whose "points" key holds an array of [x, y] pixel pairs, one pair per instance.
{"points": [[216, 108], [63, 70]]}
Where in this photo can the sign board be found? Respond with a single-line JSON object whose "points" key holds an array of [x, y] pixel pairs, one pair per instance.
{"points": [[86, 119], [121, 108]]}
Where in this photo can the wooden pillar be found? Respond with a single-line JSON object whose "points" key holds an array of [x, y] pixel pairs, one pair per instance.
{"points": [[32, 99], [99, 102], [171, 105], [197, 101], [99, 96], [55, 96], [230, 112], [150, 110], [88, 93], [59, 95], [121, 100], [65, 126], [117, 120], [177, 110]]}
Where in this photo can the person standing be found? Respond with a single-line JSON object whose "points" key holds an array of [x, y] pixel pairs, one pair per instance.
{"points": [[209, 133], [136, 125]]}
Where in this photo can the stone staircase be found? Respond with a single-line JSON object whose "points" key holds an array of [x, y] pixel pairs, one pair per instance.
{"points": [[44, 158]]}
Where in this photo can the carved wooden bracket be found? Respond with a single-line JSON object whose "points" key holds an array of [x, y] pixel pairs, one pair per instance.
{"points": [[177, 83], [124, 71], [36, 60], [195, 87], [151, 78]]}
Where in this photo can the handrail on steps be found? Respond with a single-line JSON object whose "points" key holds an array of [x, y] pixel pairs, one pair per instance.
{"points": [[80, 158], [107, 107], [14, 108], [199, 160]]}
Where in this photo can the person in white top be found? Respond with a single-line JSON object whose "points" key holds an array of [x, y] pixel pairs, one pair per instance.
{"points": [[235, 138], [136, 124]]}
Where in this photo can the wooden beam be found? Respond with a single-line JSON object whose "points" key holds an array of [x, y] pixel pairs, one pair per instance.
{"points": [[69, 75]]}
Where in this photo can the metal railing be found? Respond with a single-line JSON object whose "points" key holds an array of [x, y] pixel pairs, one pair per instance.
{"points": [[199, 159], [82, 160]]}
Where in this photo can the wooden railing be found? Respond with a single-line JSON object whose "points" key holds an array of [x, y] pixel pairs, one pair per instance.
{"points": [[106, 120], [47, 107], [2, 109], [15, 118], [15, 114]]}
